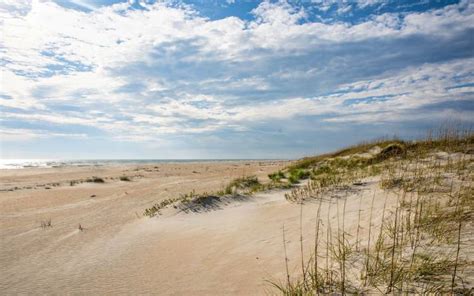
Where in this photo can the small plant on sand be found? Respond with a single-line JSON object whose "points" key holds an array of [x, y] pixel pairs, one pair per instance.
{"points": [[248, 184], [95, 179], [125, 178], [155, 209], [46, 223]]}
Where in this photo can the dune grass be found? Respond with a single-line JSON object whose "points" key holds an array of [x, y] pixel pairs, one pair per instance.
{"points": [[357, 161], [95, 179], [245, 185], [415, 248]]}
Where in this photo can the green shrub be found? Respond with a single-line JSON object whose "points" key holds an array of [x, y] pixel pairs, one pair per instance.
{"points": [[292, 179], [276, 177], [249, 183], [298, 174]]}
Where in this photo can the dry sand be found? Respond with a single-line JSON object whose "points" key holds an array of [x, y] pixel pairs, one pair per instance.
{"points": [[119, 251], [233, 249]]}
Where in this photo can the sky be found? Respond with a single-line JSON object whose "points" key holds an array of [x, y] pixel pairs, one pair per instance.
{"points": [[96, 79]]}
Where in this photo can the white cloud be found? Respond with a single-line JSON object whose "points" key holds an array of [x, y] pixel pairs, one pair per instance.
{"points": [[57, 56], [278, 13], [366, 3], [84, 3], [28, 134]]}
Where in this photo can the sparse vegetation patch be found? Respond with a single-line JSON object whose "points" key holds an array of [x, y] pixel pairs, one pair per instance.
{"points": [[125, 178], [94, 179], [46, 223]]}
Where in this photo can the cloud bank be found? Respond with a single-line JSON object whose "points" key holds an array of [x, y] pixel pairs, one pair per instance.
{"points": [[281, 82]]}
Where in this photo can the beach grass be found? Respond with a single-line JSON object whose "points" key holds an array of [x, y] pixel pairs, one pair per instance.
{"points": [[415, 247]]}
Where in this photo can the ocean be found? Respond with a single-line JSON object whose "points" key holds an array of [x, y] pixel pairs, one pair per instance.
{"points": [[7, 164]]}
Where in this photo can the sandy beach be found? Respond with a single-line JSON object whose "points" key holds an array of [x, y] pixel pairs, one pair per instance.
{"points": [[82, 230], [120, 250], [232, 249]]}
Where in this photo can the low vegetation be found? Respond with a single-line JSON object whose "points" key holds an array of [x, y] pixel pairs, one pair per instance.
{"points": [[295, 175], [415, 247], [240, 186], [157, 207], [277, 177], [46, 224], [95, 179], [244, 185]]}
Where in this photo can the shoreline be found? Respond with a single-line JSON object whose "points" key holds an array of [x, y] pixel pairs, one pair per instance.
{"points": [[19, 164]]}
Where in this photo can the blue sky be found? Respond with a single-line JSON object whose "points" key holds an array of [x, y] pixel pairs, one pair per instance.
{"points": [[228, 79]]}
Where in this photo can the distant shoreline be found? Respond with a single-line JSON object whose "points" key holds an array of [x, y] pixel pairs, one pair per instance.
{"points": [[18, 164]]}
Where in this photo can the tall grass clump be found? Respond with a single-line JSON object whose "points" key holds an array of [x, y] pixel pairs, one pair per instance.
{"points": [[246, 184]]}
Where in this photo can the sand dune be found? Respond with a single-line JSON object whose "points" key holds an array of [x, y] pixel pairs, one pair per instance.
{"points": [[231, 249], [231, 246]]}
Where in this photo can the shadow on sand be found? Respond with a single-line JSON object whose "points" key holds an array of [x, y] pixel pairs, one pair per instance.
{"points": [[210, 203]]}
